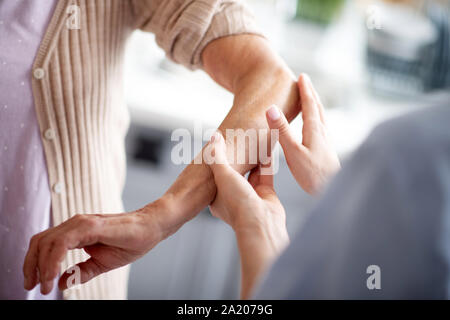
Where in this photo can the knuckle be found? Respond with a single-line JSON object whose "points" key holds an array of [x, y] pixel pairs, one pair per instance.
{"points": [[314, 124], [34, 239], [59, 242], [52, 273], [284, 130], [310, 120], [86, 220], [78, 217], [43, 243], [308, 97], [90, 221]]}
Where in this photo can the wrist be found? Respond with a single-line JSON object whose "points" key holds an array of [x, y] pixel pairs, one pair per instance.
{"points": [[162, 216], [257, 253]]}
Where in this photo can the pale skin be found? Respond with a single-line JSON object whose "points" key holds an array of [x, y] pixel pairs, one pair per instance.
{"points": [[252, 207], [245, 65]]}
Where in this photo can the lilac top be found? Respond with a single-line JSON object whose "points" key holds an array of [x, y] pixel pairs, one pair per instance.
{"points": [[25, 204]]}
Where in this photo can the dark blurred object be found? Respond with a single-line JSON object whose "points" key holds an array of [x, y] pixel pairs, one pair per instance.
{"points": [[148, 148], [401, 50], [322, 11], [440, 16]]}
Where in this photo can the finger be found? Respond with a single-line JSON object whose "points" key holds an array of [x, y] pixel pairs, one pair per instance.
{"points": [[277, 121], [319, 104], [79, 231], [52, 250], [229, 181], [309, 103], [265, 187], [266, 179], [46, 287], [55, 257], [257, 178], [30, 264], [45, 280], [253, 177], [81, 273], [219, 153]]}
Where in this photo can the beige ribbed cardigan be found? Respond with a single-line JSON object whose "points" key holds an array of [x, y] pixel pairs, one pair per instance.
{"points": [[77, 86]]}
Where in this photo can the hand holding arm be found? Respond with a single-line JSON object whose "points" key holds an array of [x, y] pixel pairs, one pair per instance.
{"points": [[254, 212], [252, 208], [245, 65]]}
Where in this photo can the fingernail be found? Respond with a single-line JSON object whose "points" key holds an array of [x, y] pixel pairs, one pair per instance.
{"points": [[273, 113], [46, 287]]}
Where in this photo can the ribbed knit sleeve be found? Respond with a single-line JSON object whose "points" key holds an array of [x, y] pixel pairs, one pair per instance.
{"points": [[183, 28]]}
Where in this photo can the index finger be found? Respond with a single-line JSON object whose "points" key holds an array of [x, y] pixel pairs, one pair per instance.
{"points": [[30, 271], [308, 99], [228, 180], [318, 102]]}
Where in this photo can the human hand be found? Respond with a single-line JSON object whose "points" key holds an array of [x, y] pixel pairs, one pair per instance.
{"points": [[112, 241], [253, 210], [312, 161]]}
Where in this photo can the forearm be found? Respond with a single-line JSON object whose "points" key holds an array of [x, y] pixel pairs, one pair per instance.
{"points": [[258, 80]]}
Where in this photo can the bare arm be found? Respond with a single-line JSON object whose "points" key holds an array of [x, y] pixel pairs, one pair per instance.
{"points": [[243, 64], [247, 66], [252, 207]]}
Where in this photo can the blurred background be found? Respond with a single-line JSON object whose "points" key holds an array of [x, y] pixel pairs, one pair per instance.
{"points": [[370, 60]]}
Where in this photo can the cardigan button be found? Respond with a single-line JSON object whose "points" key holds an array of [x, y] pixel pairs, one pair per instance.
{"points": [[57, 188], [49, 134], [39, 73]]}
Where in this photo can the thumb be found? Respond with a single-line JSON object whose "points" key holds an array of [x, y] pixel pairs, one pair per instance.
{"points": [[277, 121], [219, 161], [80, 273], [227, 180]]}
